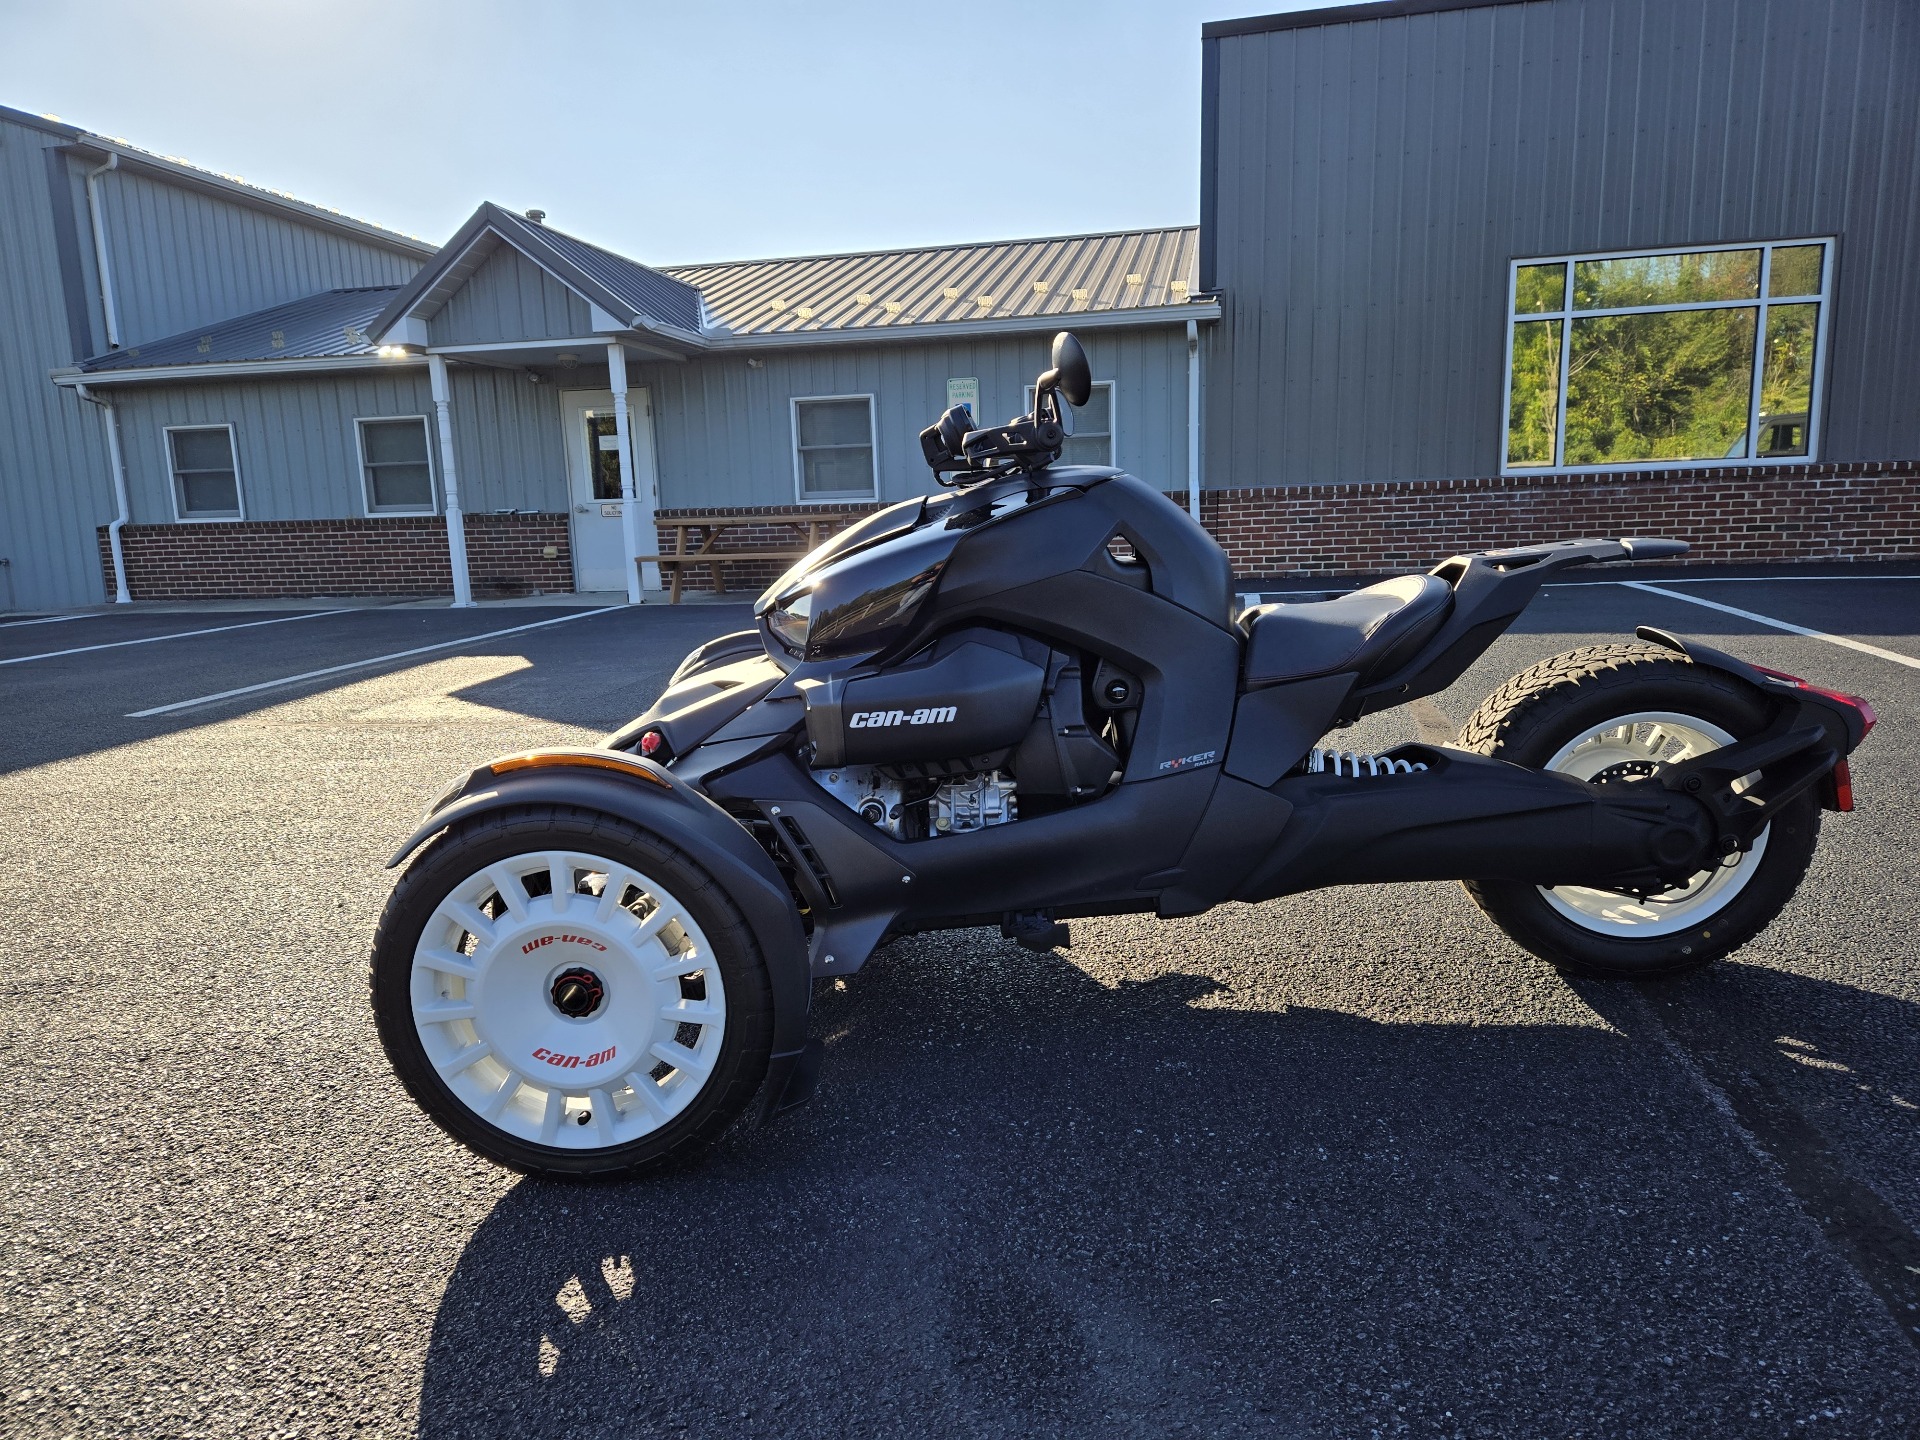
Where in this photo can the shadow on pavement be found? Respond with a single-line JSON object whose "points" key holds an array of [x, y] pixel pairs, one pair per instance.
{"points": [[1027, 1204], [596, 674]]}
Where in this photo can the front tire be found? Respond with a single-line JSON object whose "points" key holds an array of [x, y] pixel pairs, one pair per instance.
{"points": [[566, 994], [1614, 712]]}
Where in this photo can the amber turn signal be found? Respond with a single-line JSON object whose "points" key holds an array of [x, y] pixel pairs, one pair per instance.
{"points": [[541, 759]]}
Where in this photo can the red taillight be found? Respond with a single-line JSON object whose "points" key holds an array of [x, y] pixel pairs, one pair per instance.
{"points": [[1852, 702], [1843, 786]]}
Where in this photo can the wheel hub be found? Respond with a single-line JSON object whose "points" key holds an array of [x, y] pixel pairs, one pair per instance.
{"points": [[577, 992]]}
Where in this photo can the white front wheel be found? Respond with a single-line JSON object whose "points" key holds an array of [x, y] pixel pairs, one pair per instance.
{"points": [[569, 997]]}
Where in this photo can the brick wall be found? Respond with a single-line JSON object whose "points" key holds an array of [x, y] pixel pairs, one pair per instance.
{"points": [[750, 576], [395, 555], [1732, 514]]}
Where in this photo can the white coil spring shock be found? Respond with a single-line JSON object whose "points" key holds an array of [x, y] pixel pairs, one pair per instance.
{"points": [[1337, 762]]}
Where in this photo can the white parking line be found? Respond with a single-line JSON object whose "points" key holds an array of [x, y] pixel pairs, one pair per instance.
{"points": [[1865, 649], [363, 664], [176, 635], [53, 619], [1738, 580]]}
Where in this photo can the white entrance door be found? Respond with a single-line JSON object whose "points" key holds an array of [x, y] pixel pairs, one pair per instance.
{"points": [[600, 557]]}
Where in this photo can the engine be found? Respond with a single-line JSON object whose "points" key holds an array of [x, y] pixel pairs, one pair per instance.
{"points": [[963, 735]]}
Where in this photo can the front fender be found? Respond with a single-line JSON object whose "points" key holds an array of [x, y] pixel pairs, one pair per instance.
{"points": [[649, 796]]}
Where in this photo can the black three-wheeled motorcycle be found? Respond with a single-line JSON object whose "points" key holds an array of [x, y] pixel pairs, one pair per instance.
{"points": [[1030, 699]]}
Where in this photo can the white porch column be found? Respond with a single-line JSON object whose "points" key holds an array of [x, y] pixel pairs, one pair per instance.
{"points": [[629, 495], [450, 480]]}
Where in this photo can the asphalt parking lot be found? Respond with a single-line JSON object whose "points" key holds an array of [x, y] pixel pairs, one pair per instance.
{"points": [[1343, 1165]]}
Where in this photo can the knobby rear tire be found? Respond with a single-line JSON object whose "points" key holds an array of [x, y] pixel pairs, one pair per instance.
{"points": [[1542, 709]]}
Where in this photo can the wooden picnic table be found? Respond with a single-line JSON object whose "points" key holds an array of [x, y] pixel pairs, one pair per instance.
{"points": [[710, 553]]}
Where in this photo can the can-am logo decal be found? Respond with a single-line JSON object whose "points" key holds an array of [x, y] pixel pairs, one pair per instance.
{"points": [[1187, 762], [925, 715], [535, 944], [575, 1062]]}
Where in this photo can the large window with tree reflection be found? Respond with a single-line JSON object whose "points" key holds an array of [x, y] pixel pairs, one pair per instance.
{"points": [[1674, 356]]}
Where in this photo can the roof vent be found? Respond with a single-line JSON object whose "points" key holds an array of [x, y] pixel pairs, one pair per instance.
{"points": [[538, 217]]}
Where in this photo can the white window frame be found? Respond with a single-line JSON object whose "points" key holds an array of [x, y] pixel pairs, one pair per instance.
{"points": [[366, 481], [173, 475], [1113, 419], [800, 495], [1566, 314]]}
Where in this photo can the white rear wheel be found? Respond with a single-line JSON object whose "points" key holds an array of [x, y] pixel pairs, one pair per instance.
{"points": [[1632, 747], [567, 999]]}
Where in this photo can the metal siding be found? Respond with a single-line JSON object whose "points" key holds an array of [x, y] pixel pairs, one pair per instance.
{"points": [[723, 429], [54, 487], [507, 441], [293, 438], [181, 258], [510, 298], [1375, 177]]}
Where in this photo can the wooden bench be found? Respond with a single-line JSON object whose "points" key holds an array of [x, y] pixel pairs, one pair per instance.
{"points": [[675, 564]]}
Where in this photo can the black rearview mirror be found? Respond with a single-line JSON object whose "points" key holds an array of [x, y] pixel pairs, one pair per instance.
{"points": [[1073, 375]]}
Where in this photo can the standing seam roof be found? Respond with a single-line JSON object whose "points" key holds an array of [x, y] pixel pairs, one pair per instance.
{"points": [[331, 323], [997, 280]]}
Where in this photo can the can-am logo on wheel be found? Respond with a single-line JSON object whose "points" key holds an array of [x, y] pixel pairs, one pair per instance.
{"points": [[575, 1062], [538, 941], [925, 715]]}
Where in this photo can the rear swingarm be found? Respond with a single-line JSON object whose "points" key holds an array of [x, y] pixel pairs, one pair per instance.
{"points": [[1467, 817]]}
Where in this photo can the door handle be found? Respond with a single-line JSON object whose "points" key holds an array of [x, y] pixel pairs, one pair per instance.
{"points": [[579, 509]]}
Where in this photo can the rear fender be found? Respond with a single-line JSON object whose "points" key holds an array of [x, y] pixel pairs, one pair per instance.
{"points": [[652, 798], [1846, 723]]}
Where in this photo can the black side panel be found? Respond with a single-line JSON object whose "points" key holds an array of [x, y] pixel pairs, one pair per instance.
{"points": [[1273, 728], [1239, 825], [970, 698], [1190, 668]]}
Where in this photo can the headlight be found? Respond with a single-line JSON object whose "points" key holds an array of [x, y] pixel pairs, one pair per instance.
{"points": [[789, 622]]}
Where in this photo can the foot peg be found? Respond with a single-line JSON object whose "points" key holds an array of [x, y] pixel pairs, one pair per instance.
{"points": [[1035, 930]]}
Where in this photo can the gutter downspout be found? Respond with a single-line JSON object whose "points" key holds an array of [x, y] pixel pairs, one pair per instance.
{"points": [[456, 521], [99, 222], [1193, 420], [123, 512]]}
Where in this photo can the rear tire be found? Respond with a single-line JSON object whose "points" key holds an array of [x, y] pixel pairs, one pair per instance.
{"points": [[1613, 706], [567, 994]]}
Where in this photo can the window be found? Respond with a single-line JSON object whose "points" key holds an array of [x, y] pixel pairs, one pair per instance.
{"points": [[833, 447], [206, 482], [1092, 440], [1688, 356], [395, 474]]}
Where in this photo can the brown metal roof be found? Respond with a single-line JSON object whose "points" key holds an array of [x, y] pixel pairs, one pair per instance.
{"points": [[991, 280]]}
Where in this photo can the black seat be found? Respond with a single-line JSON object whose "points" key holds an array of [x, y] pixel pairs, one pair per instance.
{"points": [[1372, 631]]}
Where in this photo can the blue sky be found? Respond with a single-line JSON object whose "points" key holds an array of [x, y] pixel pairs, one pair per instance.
{"points": [[690, 131]]}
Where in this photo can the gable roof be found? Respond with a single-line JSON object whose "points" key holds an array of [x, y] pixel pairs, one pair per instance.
{"points": [[632, 295], [1060, 276], [330, 324]]}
